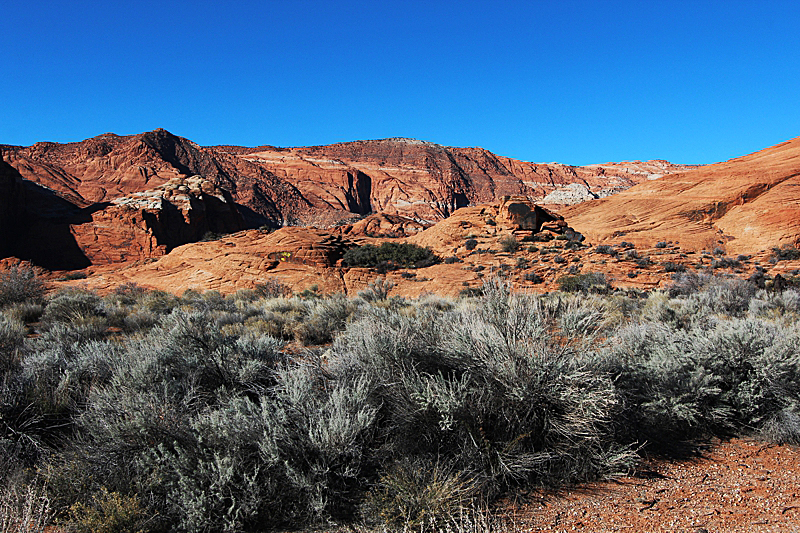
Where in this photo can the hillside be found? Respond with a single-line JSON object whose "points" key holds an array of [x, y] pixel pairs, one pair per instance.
{"points": [[743, 205], [112, 198]]}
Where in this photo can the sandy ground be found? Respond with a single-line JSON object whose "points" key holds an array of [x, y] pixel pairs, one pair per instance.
{"points": [[739, 485]]}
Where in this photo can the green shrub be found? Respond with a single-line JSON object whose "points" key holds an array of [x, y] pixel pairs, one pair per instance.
{"points": [[606, 249], [785, 253], [673, 267], [391, 255]]}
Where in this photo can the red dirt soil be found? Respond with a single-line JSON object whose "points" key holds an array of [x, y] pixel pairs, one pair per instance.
{"points": [[735, 486]]}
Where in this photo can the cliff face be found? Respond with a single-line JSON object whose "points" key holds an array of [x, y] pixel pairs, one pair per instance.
{"points": [[12, 203], [87, 202], [428, 182]]}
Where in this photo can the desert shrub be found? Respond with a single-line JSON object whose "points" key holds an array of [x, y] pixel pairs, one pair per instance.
{"points": [[666, 398], [109, 512], [159, 302], [129, 293], [605, 249], [207, 301], [470, 292], [273, 288], [785, 253], [661, 244], [766, 303], [509, 244], [20, 284], [727, 296], [12, 339], [72, 305], [559, 259], [27, 312], [71, 276], [179, 413], [588, 282], [25, 509], [725, 262], [643, 262], [377, 290], [391, 254], [420, 494], [688, 283], [326, 317], [467, 388], [669, 266], [470, 243], [718, 251]]}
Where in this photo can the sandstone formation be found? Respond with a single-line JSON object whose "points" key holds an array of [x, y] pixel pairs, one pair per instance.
{"points": [[151, 223], [304, 257], [744, 205], [426, 181], [113, 198]]}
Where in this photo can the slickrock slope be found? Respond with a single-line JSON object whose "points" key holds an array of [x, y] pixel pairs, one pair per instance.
{"points": [[743, 205], [304, 257]]}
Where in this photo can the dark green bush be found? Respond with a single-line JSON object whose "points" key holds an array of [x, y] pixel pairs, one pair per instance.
{"points": [[673, 267], [392, 255], [725, 262], [605, 249]]}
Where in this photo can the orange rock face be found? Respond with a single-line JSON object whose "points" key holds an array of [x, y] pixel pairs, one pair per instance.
{"points": [[426, 181], [87, 200], [744, 205]]}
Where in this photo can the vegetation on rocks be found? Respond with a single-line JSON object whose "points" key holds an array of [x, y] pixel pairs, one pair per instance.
{"points": [[143, 411], [390, 256]]}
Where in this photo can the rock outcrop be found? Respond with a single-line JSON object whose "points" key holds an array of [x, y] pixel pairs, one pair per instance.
{"points": [[151, 223], [744, 205], [428, 182], [118, 198]]}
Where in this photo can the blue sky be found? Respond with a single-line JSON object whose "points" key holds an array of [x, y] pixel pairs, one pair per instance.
{"points": [[577, 82]]}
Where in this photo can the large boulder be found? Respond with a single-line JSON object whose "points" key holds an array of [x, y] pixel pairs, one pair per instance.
{"points": [[521, 214]]}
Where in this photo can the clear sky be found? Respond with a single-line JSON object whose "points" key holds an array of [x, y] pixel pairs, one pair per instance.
{"points": [[577, 82]]}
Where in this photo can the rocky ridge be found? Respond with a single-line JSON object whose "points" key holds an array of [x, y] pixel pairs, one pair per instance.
{"points": [[108, 199]]}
